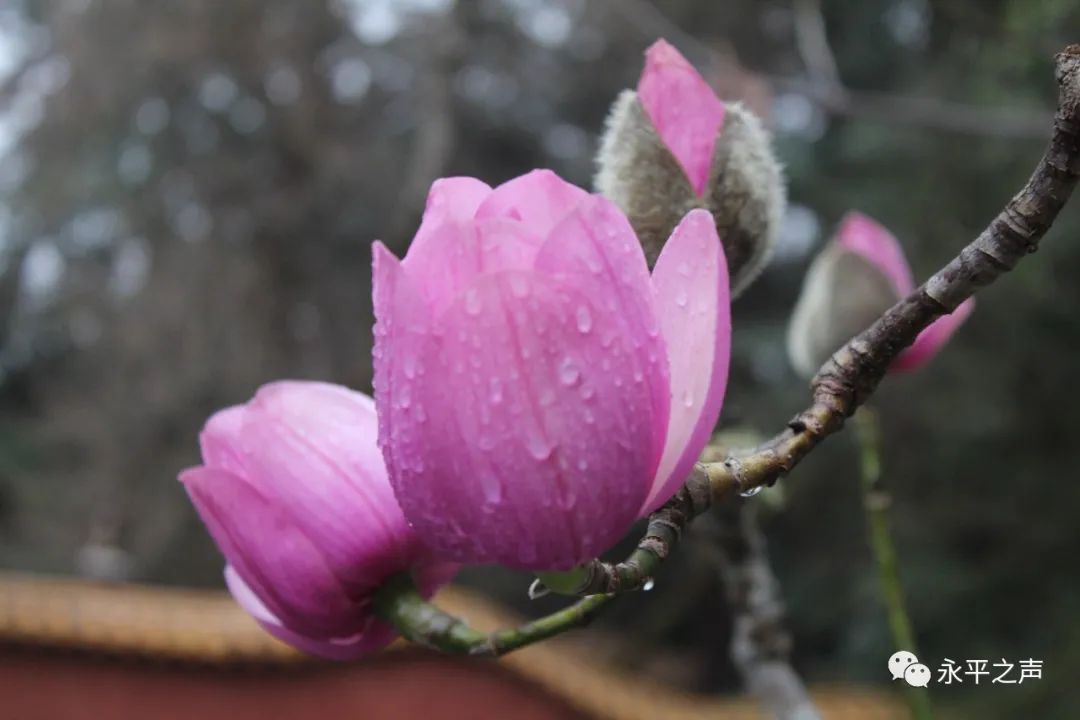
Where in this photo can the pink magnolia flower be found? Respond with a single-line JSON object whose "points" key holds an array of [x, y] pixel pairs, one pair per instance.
{"points": [[537, 389], [860, 274], [293, 490], [685, 111], [864, 236]]}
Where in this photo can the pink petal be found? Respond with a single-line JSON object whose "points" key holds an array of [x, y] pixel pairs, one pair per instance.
{"points": [[595, 248], [402, 339], [538, 199], [527, 438], [932, 339], [220, 440], [453, 254], [450, 201], [453, 199], [863, 235], [270, 552], [311, 449], [684, 109], [377, 634], [694, 303]]}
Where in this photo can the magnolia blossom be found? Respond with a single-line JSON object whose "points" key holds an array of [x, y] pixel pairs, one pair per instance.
{"points": [[293, 490], [673, 145], [537, 389], [859, 275]]}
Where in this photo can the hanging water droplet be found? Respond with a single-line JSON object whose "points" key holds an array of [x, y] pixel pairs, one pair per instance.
{"points": [[583, 318], [649, 585], [538, 590], [752, 491], [568, 372]]}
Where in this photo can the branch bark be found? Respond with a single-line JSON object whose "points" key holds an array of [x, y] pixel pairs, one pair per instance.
{"points": [[760, 643], [855, 370]]}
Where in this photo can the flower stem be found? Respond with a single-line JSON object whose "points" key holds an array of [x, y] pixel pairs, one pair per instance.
{"points": [[400, 604], [876, 503]]}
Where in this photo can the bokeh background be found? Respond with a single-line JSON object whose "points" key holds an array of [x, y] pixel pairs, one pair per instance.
{"points": [[189, 192]]}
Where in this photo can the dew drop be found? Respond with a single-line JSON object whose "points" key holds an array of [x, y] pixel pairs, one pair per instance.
{"points": [[538, 447], [684, 269], [568, 372], [495, 391], [688, 398], [583, 318], [473, 303], [547, 397], [518, 287], [649, 585], [538, 590], [681, 299], [751, 492], [491, 488]]}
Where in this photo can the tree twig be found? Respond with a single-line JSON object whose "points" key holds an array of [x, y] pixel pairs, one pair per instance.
{"points": [[852, 374], [399, 603], [760, 643]]}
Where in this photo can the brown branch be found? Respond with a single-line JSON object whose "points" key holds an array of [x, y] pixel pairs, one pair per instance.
{"points": [[854, 371], [760, 643]]}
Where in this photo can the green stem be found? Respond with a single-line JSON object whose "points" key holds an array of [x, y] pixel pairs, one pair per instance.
{"points": [[876, 505], [400, 604]]}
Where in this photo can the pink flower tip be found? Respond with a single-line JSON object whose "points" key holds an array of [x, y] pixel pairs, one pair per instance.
{"points": [[863, 235], [687, 114], [294, 492]]}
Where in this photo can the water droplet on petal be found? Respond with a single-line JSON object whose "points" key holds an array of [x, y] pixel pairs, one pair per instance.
{"points": [[751, 492], [568, 372], [688, 398], [539, 448], [491, 488], [684, 269], [408, 366], [518, 286], [495, 393], [681, 299], [473, 303], [583, 318]]}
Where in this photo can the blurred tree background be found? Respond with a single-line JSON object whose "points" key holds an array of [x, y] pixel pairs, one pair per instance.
{"points": [[189, 192]]}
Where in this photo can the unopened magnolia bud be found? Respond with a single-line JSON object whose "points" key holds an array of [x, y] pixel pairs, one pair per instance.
{"points": [[857, 277], [841, 296], [672, 146]]}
